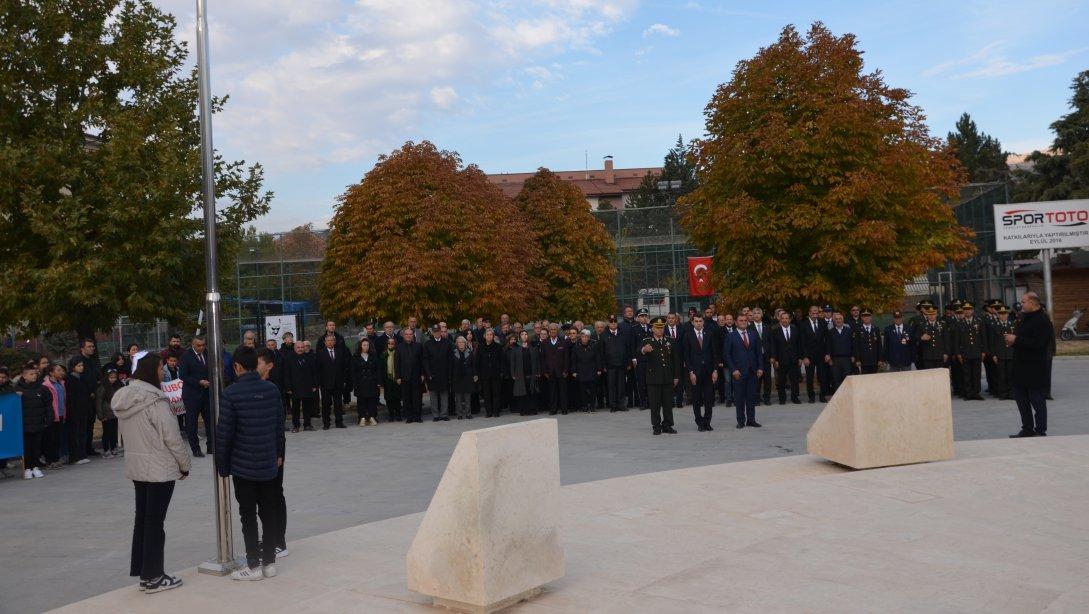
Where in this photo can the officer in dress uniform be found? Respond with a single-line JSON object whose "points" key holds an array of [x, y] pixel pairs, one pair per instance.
{"points": [[953, 313], [898, 346], [662, 364], [642, 331], [970, 351], [999, 355], [989, 318], [916, 321], [933, 341], [867, 344]]}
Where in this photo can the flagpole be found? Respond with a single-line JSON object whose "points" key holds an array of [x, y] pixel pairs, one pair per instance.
{"points": [[224, 560]]}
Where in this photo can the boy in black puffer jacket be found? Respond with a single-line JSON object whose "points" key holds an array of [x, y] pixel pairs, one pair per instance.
{"points": [[37, 414]]}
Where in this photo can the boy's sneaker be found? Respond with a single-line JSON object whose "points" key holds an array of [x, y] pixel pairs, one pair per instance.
{"points": [[247, 574], [28, 474], [83, 461], [107, 454], [160, 584], [282, 552], [38, 473], [269, 571]]}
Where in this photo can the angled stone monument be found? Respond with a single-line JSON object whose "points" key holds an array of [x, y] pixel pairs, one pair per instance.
{"points": [[886, 419], [489, 537]]}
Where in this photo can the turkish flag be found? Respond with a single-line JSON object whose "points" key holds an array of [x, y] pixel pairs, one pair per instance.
{"points": [[699, 276]]}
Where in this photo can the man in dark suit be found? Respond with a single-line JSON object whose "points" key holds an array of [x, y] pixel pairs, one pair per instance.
{"points": [[839, 351], [812, 331], [408, 369], [897, 345], [617, 357], [556, 359], [672, 331], [744, 357], [301, 380], [867, 343], [1032, 337], [193, 371], [786, 354], [760, 329], [700, 360], [332, 364]]}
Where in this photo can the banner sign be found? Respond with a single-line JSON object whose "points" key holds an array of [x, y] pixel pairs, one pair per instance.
{"points": [[11, 426], [699, 276], [1045, 225], [173, 392], [276, 326]]}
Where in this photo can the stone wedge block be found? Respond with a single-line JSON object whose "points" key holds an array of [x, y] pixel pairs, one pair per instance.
{"points": [[490, 535], [886, 419]]}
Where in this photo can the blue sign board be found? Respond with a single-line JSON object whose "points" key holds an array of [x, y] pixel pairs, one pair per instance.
{"points": [[11, 426]]}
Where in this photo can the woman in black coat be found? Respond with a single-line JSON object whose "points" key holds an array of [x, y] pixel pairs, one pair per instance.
{"points": [[524, 369], [366, 382], [462, 377], [489, 370], [586, 367], [80, 406]]}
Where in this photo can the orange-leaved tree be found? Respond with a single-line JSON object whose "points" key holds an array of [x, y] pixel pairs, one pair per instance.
{"points": [[578, 278], [421, 235], [817, 182]]}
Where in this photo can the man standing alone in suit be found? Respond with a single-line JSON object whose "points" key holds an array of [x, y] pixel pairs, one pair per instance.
{"points": [[332, 365], [700, 360], [786, 353], [744, 358], [408, 368], [193, 372]]}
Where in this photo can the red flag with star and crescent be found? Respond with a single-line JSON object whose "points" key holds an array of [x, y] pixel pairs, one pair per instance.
{"points": [[699, 276]]}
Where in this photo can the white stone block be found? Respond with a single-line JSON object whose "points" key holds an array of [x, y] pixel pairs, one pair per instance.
{"points": [[886, 419], [490, 535]]}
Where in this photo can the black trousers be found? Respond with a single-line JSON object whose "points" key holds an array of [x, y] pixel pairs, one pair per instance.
{"points": [[614, 386], [193, 408], [307, 407], [411, 398], [76, 427], [109, 435], [842, 366], [788, 372], [703, 398], [281, 528], [51, 441], [260, 499], [525, 405], [148, 536], [490, 391], [678, 391], [970, 374], [811, 373], [392, 393], [641, 386], [557, 394], [89, 433], [601, 387], [586, 396], [660, 398], [1003, 378], [867, 369], [765, 381], [367, 407], [824, 372], [32, 449], [1028, 401], [332, 401]]}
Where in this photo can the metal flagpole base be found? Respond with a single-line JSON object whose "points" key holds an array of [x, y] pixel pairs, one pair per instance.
{"points": [[215, 568]]}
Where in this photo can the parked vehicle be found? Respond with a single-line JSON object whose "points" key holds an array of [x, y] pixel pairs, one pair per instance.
{"points": [[1070, 329]]}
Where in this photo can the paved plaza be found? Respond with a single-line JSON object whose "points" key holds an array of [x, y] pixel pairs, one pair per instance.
{"points": [[67, 536]]}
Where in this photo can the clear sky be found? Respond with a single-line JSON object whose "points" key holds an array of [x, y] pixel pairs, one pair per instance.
{"points": [[319, 88]]}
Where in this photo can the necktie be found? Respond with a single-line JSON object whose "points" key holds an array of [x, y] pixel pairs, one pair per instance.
{"points": [[331, 356], [699, 339], [786, 333], [898, 331], [201, 357], [814, 323], [745, 338]]}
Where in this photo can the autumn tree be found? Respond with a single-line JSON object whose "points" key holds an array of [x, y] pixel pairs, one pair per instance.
{"points": [[422, 235], [100, 168], [574, 269], [818, 182], [979, 153], [1063, 172]]}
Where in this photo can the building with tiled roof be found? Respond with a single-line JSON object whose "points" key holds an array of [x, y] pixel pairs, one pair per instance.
{"points": [[604, 188]]}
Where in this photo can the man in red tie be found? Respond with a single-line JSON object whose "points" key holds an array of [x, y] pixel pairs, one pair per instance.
{"points": [[743, 354], [700, 359]]}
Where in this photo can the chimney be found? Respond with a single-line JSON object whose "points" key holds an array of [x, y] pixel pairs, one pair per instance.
{"points": [[610, 174]]}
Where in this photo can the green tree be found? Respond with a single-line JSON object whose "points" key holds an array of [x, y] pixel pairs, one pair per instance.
{"points": [[818, 182], [574, 269], [979, 153], [423, 236], [679, 165], [647, 193], [1062, 173], [100, 168]]}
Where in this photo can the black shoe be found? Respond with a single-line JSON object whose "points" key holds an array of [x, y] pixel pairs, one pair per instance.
{"points": [[563, 413], [553, 413], [782, 401], [198, 454], [813, 400], [824, 399], [325, 427], [160, 584], [93, 453], [436, 419], [669, 429], [208, 450], [461, 417], [308, 427], [1023, 433], [753, 424], [740, 425], [1041, 433], [341, 426], [797, 401], [1049, 397], [767, 400], [707, 427], [657, 431], [700, 428], [469, 417]]}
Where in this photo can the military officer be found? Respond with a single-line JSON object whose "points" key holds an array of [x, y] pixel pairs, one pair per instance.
{"points": [[915, 322], [999, 355], [661, 357], [867, 344], [989, 317], [932, 338], [969, 349], [953, 314]]}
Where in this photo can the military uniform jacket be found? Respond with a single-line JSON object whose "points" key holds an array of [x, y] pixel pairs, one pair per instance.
{"points": [[867, 345], [937, 345], [968, 338], [996, 339], [663, 364]]}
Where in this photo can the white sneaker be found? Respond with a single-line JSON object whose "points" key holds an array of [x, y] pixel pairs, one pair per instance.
{"points": [[363, 422], [83, 461], [282, 552], [28, 474], [247, 574], [269, 571], [107, 454], [38, 473], [373, 422]]}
